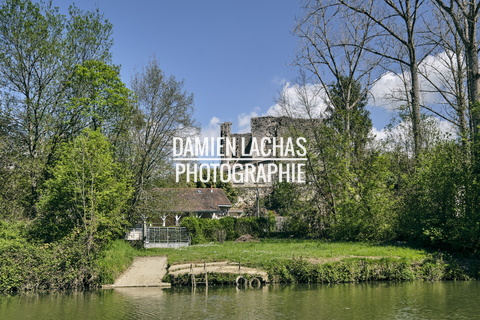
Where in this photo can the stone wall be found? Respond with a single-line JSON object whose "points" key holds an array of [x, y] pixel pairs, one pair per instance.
{"points": [[271, 127]]}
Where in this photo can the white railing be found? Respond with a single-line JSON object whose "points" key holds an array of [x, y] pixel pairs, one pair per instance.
{"points": [[167, 235]]}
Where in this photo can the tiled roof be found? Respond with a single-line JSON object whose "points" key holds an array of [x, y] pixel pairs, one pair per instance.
{"points": [[193, 199]]}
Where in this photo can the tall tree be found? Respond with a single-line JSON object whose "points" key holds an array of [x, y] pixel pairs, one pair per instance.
{"points": [[333, 50], [339, 73], [399, 25], [97, 99], [88, 194], [347, 114], [464, 17], [39, 48], [166, 111]]}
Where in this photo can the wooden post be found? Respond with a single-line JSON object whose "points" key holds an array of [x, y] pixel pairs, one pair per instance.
{"points": [[144, 233]]}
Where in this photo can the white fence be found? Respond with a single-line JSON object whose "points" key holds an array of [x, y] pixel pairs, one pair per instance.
{"points": [[160, 237]]}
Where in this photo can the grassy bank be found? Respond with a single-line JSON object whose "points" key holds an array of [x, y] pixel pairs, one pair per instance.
{"points": [[307, 261], [261, 253]]}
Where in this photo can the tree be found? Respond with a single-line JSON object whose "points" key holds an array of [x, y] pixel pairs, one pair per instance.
{"points": [[333, 51], [445, 74], [346, 113], [165, 111], [399, 29], [15, 184], [87, 196], [39, 49], [464, 18], [98, 99], [440, 208], [285, 198]]}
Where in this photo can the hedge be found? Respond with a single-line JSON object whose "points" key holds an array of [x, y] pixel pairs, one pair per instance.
{"points": [[226, 229]]}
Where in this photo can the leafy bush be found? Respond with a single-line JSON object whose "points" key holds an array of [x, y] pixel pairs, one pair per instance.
{"points": [[87, 194], [441, 205], [30, 267], [228, 228], [363, 269]]}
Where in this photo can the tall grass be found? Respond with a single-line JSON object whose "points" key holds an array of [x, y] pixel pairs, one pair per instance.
{"points": [[116, 258]]}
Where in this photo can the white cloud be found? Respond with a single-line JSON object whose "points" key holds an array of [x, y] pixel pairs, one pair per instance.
{"points": [[438, 74], [213, 129], [214, 121], [297, 101], [389, 91], [279, 81], [446, 128], [378, 134], [244, 120]]}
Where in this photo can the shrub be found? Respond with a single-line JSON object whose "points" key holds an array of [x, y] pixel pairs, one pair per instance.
{"points": [[31, 267], [228, 228]]}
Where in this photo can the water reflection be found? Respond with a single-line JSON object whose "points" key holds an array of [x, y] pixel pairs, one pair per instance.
{"points": [[414, 300]]}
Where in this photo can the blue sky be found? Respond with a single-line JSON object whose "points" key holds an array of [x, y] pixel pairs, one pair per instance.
{"points": [[234, 55]]}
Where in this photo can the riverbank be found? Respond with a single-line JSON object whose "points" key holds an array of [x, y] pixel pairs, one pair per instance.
{"points": [[307, 261]]}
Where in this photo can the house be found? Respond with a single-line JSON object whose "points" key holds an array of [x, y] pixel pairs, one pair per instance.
{"points": [[175, 203], [168, 206]]}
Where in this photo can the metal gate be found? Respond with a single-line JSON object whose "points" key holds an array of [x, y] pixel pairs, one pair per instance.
{"points": [[167, 237]]}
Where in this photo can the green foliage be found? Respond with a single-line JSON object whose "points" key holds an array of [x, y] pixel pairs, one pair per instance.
{"points": [[298, 227], [366, 207], [195, 229], [87, 195], [115, 259], [99, 100], [345, 270], [30, 267], [228, 228], [347, 114], [39, 49], [257, 227], [347, 198], [349, 193], [284, 198], [203, 230], [441, 205]]}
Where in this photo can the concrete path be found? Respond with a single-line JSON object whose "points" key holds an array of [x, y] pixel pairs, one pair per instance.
{"points": [[144, 272]]}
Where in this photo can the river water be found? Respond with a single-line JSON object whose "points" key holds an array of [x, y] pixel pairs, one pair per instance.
{"points": [[409, 300]]}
